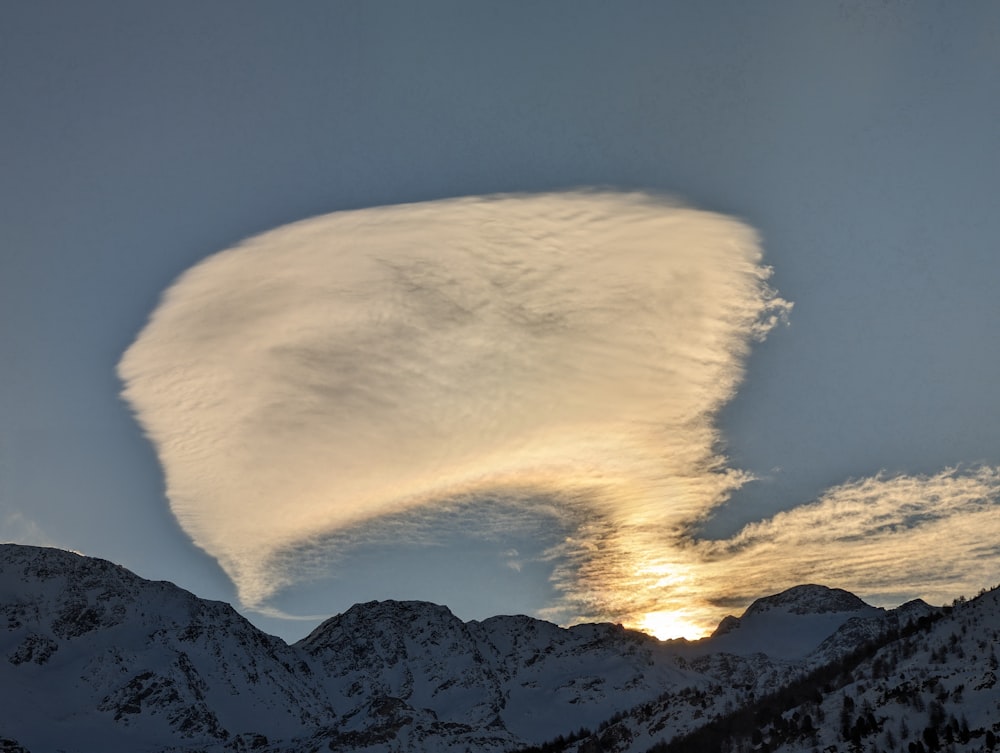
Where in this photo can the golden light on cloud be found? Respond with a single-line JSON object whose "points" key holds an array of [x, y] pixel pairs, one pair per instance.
{"points": [[563, 353], [569, 346], [871, 536]]}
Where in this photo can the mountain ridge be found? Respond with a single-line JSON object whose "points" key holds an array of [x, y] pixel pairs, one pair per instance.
{"points": [[94, 657], [807, 599]]}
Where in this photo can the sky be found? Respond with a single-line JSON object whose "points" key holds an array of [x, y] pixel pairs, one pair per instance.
{"points": [[630, 312]]}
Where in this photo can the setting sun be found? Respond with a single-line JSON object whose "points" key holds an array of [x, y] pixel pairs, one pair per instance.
{"points": [[666, 625]]}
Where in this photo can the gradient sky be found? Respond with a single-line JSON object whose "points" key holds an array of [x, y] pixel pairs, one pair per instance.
{"points": [[858, 140]]}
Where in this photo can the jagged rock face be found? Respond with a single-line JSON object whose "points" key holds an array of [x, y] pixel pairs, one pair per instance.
{"points": [[93, 657], [70, 595], [409, 651]]}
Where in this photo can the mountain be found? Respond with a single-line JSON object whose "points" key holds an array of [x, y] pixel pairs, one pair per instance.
{"points": [[522, 679], [100, 659], [925, 682], [93, 657], [792, 624]]}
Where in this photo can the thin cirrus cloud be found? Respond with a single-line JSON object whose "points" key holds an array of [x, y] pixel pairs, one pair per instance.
{"points": [[567, 352], [888, 538], [882, 536], [507, 361]]}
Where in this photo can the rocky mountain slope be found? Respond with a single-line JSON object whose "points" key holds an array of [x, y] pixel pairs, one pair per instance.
{"points": [[92, 657], [920, 679], [930, 688]]}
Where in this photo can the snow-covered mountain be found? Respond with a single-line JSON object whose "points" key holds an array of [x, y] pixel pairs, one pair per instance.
{"points": [[917, 678], [92, 657], [97, 658], [792, 624]]}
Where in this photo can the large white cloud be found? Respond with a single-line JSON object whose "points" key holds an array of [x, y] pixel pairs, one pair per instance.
{"points": [[572, 347], [558, 357]]}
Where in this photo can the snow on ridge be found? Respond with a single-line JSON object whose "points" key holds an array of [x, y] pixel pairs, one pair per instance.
{"points": [[789, 626], [103, 659], [808, 599]]}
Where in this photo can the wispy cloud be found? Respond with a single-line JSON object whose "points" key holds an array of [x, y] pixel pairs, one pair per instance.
{"points": [[566, 351], [933, 535], [887, 538], [17, 528]]}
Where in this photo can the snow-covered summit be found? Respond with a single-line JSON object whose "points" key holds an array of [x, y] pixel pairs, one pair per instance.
{"points": [[791, 625], [808, 599], [390, 620]]}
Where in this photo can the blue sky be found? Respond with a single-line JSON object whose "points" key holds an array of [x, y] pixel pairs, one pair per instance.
{"points": [[858, 140]]}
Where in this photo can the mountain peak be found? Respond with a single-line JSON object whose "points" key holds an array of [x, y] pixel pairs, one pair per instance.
{"points": [[808, 599], [401, 614], [788, 625], [729, 624]]}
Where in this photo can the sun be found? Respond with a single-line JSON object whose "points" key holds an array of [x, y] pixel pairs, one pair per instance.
{"points": [[666, 625]]}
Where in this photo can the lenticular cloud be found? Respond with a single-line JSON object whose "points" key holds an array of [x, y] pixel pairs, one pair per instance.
{"points": [[570, 346]]}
